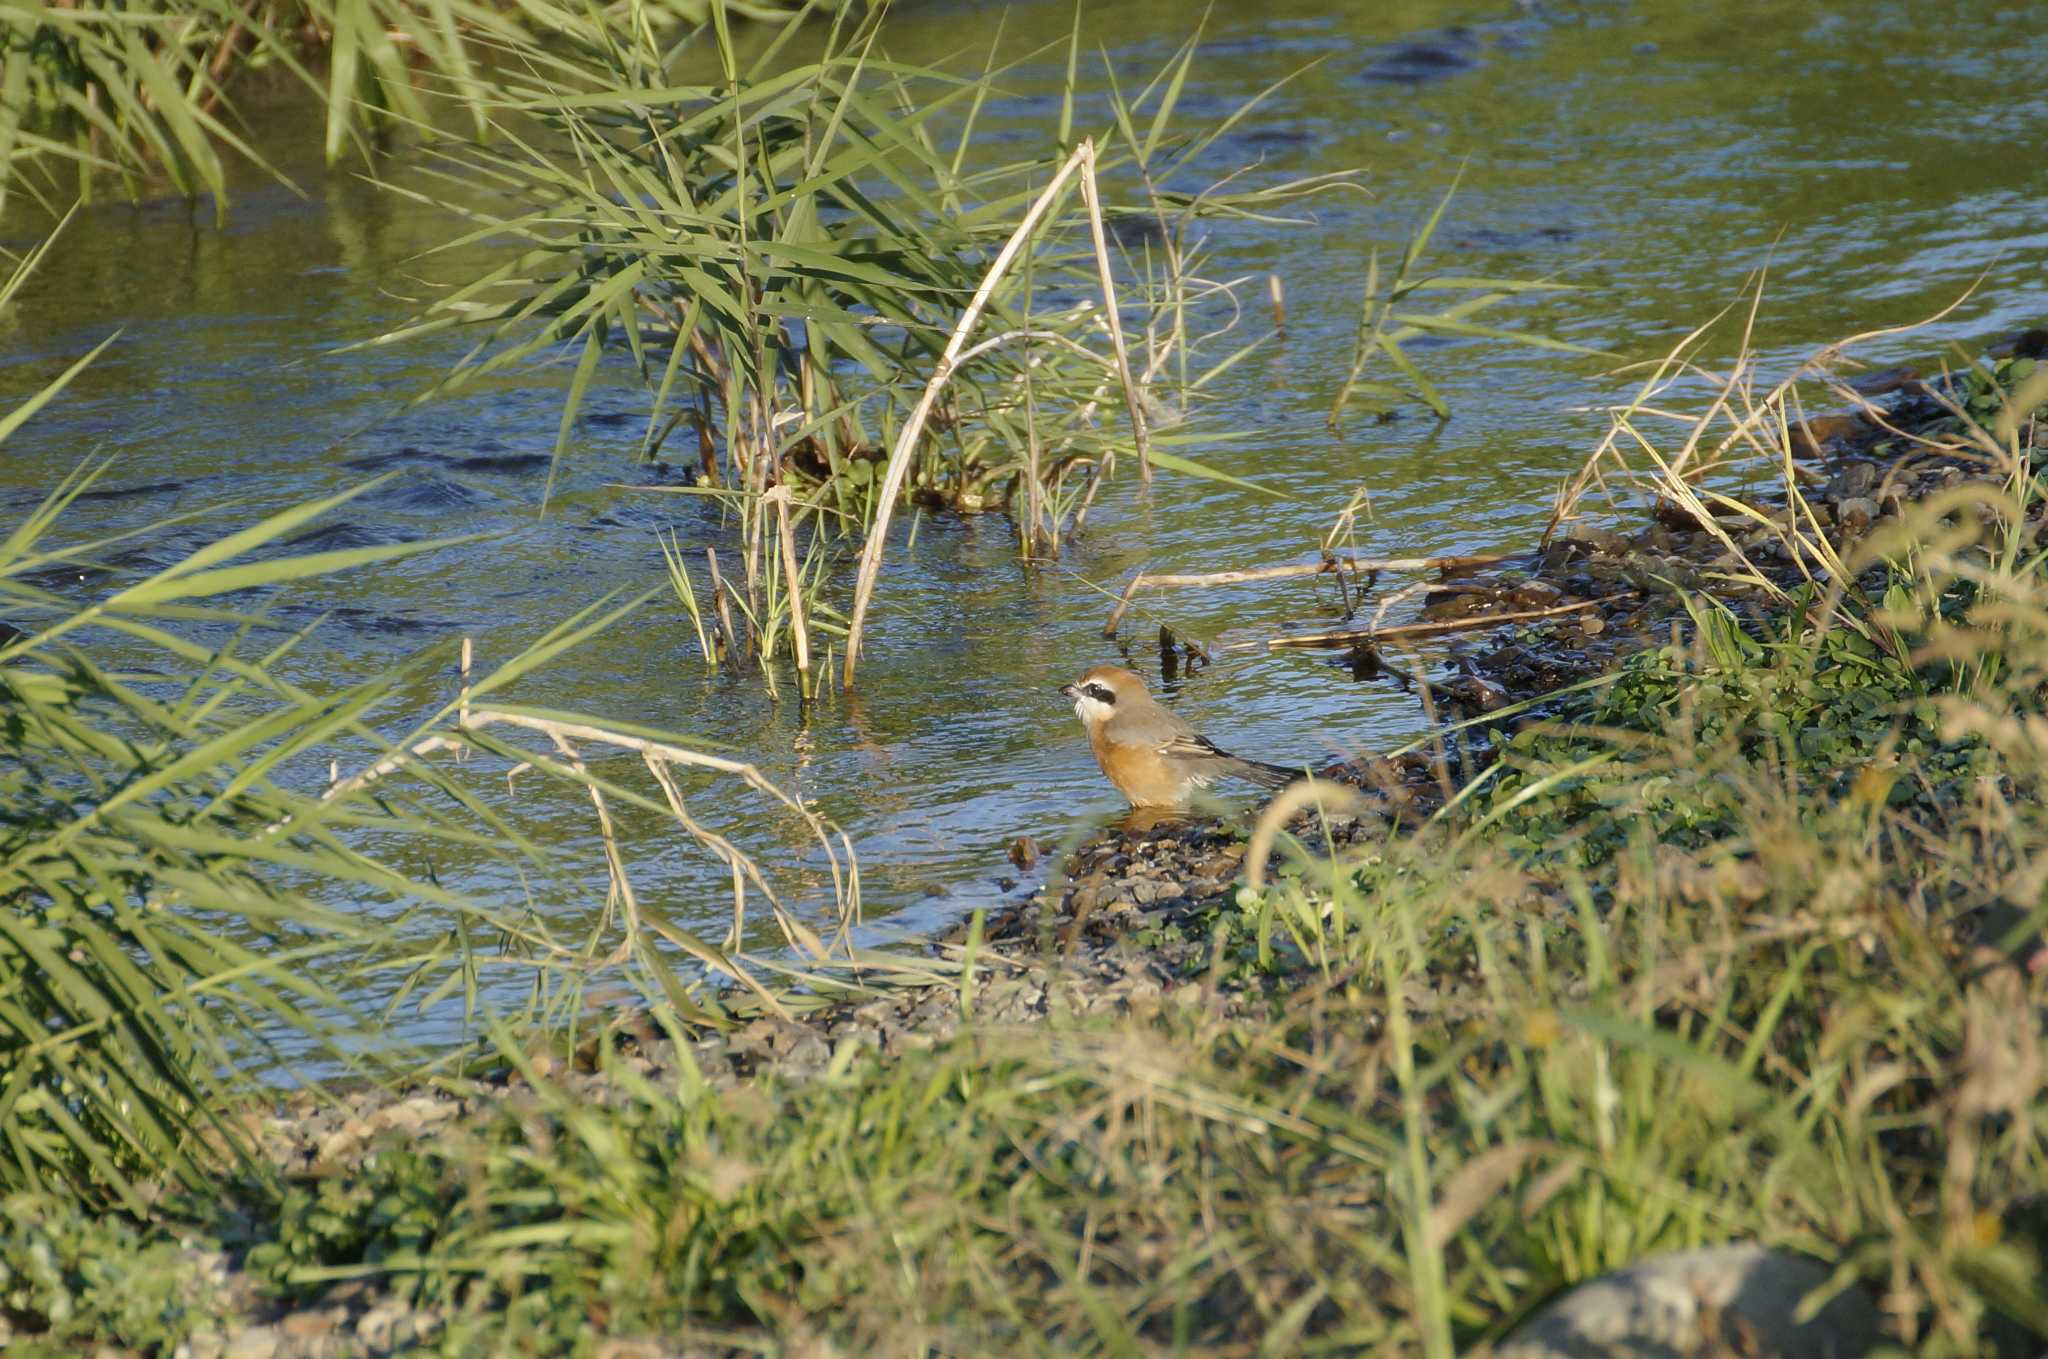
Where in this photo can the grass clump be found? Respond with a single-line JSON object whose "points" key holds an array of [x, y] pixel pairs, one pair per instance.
{"points": [[71, 1276]]}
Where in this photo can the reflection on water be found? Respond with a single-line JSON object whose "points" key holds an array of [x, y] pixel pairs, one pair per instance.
{"points": [[1651, 154]]}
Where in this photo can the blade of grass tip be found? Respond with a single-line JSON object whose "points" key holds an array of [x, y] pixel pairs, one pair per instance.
{"points": [[1066, 129], [1419, 242], [1168, 100], [257, 575], [1188, 467], [1119, 107], [573, 631], [593, 347], [974, 106], [1362, 345], [19, 275], [26, 411], [1423, 388]]}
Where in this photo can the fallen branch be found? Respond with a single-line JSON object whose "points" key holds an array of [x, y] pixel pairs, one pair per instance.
{"points": [[1328, 565], [1476, 623]]}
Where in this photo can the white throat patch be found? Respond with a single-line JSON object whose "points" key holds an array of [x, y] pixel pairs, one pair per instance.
{"points": [[1091, 710]]}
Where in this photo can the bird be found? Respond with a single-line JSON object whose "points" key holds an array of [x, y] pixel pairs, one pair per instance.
{"points": [[1151, 754]]}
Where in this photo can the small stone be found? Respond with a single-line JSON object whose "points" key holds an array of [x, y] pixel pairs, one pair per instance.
{"points": [[378, 1327], [256, 1342], [312, 1325], [808, 1053], [413, 1114], [1024, 853], [1148, 890], [1442, 605], [337, 1145], [1884, 380], [1474, 692], [1535, 594], [201, 1345], [1738, 1299], [1592, 625], [1858, 478], [1603, 541], [1819, 431], [1855, 513]]}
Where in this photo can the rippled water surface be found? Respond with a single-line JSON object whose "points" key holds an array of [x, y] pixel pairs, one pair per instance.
{"points": [[1881, 157]]}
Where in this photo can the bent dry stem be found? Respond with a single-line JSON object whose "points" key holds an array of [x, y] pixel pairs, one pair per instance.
{"points": [[1081, 162]]}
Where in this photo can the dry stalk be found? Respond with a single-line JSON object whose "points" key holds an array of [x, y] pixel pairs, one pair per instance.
{"points": [[1091, 198], [1327, 566], [1758, 426], [1318, 793], [1371, 636], [718, 598], [793, 583], [615, 864], [1081, 162]]}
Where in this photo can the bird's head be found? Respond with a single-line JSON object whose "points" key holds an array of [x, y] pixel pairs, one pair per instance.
{"points": [[1098, 694]]}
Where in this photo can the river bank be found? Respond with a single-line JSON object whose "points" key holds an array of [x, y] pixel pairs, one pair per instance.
{"points": [[1735, 945]]}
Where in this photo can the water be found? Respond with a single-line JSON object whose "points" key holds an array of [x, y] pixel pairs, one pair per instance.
{"points": [[1879, 161]]}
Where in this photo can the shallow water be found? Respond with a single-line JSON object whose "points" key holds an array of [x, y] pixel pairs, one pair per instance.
{"points": [[1880, 160]]}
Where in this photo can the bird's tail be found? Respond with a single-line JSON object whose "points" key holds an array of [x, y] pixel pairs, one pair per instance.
{"points": [[1267, 775]]}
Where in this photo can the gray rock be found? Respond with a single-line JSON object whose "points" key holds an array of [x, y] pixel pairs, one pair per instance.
{"points": [[201, 1345], [1857, 479], [1856, 512], [1736, 1299], [1600, 540], [383, 1325], [256, 1342]]}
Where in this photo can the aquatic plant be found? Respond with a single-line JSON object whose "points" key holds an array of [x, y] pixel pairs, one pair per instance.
{"points": [[1383, 331], [822, 295], [147, 89]]}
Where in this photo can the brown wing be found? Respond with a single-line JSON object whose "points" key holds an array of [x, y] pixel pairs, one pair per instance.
{"points": [[1192, 745], [1210, 761]]}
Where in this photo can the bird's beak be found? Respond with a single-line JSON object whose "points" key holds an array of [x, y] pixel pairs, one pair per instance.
{"points": [[1069, 691]]}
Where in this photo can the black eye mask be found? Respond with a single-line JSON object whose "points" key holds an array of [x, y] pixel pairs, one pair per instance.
{"points": [[1100, 694]]}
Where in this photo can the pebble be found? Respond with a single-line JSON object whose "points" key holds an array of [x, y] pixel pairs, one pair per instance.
{"points": [[313, 1325], [1743, 1296], [1856, 479], [1855, 513], [1535, 594], [1441, 605], [254, 1342], [379, 1327], [1604, 541]]}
